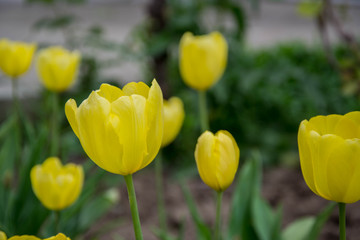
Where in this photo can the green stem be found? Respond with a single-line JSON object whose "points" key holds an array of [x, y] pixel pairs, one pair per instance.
{"points": [[56, 222], [342, 221], [54, 147], [133, 207], [218, 215], [204, 120], [160, 192]]}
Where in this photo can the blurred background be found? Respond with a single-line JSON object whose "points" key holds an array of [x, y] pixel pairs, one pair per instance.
{"points": [[288, 60]]}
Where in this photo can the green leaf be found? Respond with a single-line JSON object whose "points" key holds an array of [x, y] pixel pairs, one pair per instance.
{"points": [[54, 23], [320, 221], [299, 229], [203, 232]]}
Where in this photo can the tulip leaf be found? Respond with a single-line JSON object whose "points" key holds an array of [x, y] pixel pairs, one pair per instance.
{"points": [[299, 229], [320, 221], [203, 232], [246, 185]]}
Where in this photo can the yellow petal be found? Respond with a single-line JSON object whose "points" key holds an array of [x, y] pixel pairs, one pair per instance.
{"points": [[139, 88], [154, 122], [97, 133], [111, 93], [306, 159], [343, 167], [59, 236], [24, 237], [70, 112], [173, 119], [3, 236], [132, 130]]}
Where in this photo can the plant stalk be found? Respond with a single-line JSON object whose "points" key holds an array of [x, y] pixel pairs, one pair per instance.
{"points": [[218, 215], [342, 221], [54, 148], [204, 119], [160, 192], [133, 207]]}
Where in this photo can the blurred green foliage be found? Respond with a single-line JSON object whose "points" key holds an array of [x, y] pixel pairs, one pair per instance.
{"points": [[262, 98]]}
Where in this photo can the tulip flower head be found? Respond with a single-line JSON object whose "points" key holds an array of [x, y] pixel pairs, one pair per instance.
{"points": [[120, 130], [15, 57], [59, 236], [57, 68], [55, 185], [173, 119], [217, 159], [329, 148], [202, 59]]}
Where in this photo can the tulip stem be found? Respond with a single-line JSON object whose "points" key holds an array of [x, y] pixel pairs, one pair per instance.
{"points": [[57, 221], [342, 220], [160, 192], [204, 121], [218, 215], [133, 207], [54, 148]]}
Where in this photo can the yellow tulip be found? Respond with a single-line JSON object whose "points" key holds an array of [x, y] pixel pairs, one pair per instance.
{"points": [[120, 130], [57, 68], [3, 236], [329, 148], [15, 57], [202, 59], [24, 237], [60, 236], [217, 159], [55, 185], [173, 119]]}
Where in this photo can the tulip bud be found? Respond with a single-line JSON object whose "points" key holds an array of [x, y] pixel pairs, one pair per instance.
{"points": [[202, 59], [329, 148], [217, 159], [57, 68], [120, 130], [15, 57], [55, 185], [173, 119]]}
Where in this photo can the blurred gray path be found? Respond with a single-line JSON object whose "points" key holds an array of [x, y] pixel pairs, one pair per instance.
{"points": [[276, 22]]}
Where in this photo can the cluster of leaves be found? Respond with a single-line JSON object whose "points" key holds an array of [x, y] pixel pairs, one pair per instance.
{"points": [[251, 217]]}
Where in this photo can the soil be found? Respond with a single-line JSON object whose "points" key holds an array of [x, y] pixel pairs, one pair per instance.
{"points": [[280, 186]]}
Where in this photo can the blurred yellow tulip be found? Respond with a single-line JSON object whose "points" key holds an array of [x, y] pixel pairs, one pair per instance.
{"points": [[120, 130], [55, 185], [217, 159], [329, 148], [60, 236], [15, 57], [173, 119], [202, 59], [24, 237], [3, 236], [57, 68]]}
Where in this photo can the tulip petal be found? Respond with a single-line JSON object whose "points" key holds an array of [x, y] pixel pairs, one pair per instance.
{"points": [[110, 92], [154, 122], [228, 160], [132, 130], [139, 88], [97, 134], [206, 160], [306, 158], [343, 162], [70, 112]]}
